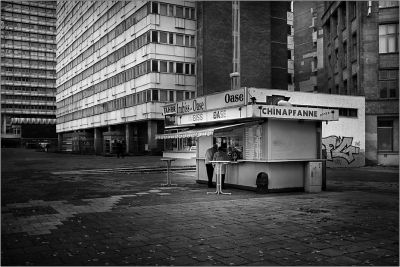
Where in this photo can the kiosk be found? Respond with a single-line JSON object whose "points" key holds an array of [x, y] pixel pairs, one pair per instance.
{"points": [[270, 136]]}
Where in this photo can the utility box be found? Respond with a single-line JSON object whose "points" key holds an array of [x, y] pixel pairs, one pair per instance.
{"points": [[313, 177]]}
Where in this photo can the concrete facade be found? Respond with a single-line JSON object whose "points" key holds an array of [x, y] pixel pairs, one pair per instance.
{"points": [[118, 64], [28, 75]]}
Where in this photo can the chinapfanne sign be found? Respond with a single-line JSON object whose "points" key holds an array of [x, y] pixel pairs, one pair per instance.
{"points": [[210, 102], [289, 112]]}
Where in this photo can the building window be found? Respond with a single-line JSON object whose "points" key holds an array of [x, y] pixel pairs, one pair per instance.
{"points": [[385, 4], [353, 10], [385, 135], [354, 47], [179, 39], [163, 9], [154, 8], [154, 95], [154, 65], [163, 37], [179, 11], [171, 96], [179, 68], [345, 55], [154, 36], [388, 38], [163, 66], [388, 83], [354, 80]]}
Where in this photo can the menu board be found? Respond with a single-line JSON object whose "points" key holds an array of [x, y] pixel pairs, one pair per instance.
{"points": [[253, 141]]}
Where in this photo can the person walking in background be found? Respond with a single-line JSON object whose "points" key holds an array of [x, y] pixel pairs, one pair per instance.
{"points": [[119, 148], [221, 155], [209, 167]]}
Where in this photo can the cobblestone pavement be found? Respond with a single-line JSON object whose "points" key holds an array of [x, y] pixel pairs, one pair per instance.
{"points": [[53, 216]]}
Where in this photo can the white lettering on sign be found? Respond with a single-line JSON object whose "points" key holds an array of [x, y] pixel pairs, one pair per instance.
{"points": [[219, 114], [211, 116], [198, 117]]}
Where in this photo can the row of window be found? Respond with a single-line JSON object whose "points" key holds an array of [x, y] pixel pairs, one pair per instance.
{"points": [[20, 25], [28, 89], [8, 33], [29, 79], [35, 18], [346, 89], [134, 45], [132, 73], [21, 6], [28, 71], [17, 61], [125, 102], [29, 97], [29, 44], [27, 53], [103, 19], [173, 10], [30, 107]]}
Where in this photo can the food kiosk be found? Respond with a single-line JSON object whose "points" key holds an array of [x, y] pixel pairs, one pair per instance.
{"points": [[268, 135]]}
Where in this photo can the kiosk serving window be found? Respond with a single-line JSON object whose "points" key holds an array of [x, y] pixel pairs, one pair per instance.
{"points": [[232, 141], [183, 144]]}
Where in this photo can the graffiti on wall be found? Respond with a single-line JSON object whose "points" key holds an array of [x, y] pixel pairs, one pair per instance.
{"points": [[340, 147]]}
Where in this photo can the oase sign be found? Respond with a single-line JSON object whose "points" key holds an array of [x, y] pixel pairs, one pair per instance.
{"points": [[188, 106], [226, 99]]}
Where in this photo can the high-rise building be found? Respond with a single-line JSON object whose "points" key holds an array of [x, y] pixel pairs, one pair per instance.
{"points": [[262, 39], [358, 54], [118, 63], [28, 76]]}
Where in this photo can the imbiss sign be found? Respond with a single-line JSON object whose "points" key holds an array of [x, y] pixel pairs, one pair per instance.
{"points": [[187, 106], [209, 102]]}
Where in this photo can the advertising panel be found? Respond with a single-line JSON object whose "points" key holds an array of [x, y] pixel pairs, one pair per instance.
{"points": [[226, 99], [211, 116], [288, 112]]}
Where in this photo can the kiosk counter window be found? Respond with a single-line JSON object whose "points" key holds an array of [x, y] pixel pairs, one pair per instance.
{"points": [[232, 142], [183, 144]]}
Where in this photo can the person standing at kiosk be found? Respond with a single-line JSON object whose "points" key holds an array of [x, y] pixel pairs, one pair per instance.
{"points": [[209, 167], [221, 155]]}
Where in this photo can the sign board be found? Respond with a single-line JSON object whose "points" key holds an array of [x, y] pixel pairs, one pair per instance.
{"points": [[221, 114], [288, 112], [226, 99], [187, 106]]}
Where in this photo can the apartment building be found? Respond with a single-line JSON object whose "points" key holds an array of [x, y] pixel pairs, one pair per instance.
{"points": [[359, 55], [28, 72], [118, 63]]}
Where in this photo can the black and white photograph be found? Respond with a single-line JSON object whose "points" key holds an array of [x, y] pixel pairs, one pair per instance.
{"points": [[199, 133]]}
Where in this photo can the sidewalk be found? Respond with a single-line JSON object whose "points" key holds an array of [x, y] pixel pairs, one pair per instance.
{"points": [[129, 219]]}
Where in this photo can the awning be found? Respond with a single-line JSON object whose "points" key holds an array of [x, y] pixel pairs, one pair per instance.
{"points": [[196, 132], [33, 121]]}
